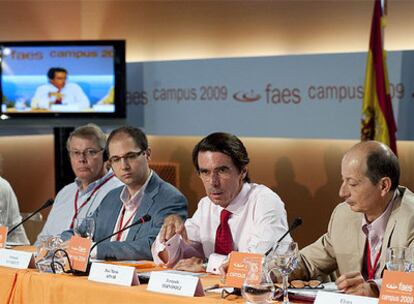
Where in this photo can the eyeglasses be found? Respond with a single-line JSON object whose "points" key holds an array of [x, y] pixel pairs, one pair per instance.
{"points": [[130, 157], [313, 284], [88, 153], [223, 172]]}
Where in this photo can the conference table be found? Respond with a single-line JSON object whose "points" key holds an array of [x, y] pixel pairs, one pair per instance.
{"points": [[31, 286]]}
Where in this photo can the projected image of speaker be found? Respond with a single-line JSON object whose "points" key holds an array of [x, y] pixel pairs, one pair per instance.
{"points": [[63, 79]]}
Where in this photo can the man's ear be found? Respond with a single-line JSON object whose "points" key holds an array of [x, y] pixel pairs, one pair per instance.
{"points": [[244, 173], [385, 185], [148, 153]]}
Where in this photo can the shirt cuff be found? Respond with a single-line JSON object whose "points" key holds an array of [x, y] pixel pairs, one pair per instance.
{"points": [[214, 262], [172, 247]]}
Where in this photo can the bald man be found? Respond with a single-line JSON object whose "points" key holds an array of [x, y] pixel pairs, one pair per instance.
{"points": [[376, 214]]}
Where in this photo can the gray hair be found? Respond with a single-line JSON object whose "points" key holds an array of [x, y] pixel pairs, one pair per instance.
{"points": [[89, 131]]}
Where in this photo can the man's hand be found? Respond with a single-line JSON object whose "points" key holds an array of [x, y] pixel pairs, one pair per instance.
{"points": [[354, 283], [223, 270], [192, 264], [173, 224]]}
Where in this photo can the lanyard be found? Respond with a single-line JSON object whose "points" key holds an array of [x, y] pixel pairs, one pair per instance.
{"points": [[371, 269], [120, 226], [75, 202]]}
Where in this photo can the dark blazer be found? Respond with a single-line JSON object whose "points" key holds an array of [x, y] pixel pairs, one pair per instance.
{"points": [[160, 200]]}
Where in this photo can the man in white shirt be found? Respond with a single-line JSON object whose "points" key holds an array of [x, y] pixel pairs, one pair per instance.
{"points": [[59, 92], [235, 215], [10, 214], [93, 181]]}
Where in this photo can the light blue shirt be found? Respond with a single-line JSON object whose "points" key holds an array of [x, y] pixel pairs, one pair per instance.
{"points": [[63, 210]]}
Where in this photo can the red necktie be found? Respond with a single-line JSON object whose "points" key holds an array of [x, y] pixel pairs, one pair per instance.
{"points": [[224, 240], [58, 99]]}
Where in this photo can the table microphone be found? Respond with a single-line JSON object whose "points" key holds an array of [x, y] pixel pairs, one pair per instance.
{"points": [[296, 223], [141, 220], [48, 203]]}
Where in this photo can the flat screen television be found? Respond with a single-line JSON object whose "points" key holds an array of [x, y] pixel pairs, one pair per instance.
{"points": [[63, 79]]}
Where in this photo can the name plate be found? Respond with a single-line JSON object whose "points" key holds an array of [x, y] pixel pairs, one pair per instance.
{"points": [[323, 297], [113, 274], [397, 287], [171, 282], [238, 268], [3, 236], [78, 251], [16, 259]]}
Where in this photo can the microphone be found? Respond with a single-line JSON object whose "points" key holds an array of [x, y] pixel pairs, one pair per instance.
{"points": [[48, 203], [141, 220], [296, 223]]}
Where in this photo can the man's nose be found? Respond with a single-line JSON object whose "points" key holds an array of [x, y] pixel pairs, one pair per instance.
{"points": [[343, 190], [124, 163]]}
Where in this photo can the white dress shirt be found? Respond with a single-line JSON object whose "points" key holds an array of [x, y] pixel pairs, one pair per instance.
{"points": [[258, 220]]}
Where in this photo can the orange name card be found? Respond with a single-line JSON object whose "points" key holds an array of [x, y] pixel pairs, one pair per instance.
{"points": [[78, 251], [238, 267], [3, 236], [397, 287]]}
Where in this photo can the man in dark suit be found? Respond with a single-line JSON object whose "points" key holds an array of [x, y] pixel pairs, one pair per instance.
{"points": [[144, 193]]}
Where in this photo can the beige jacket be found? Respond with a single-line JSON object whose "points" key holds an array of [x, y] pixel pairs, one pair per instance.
{"points": [[342, 248]]}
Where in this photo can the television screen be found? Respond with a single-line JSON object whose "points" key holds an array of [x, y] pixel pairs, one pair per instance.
{"points": [[63, 78]]}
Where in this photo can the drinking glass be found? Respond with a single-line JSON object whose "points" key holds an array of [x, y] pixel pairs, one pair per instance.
{"points": [[284, 259], [399, 259], [84, 227], [257, 287]]}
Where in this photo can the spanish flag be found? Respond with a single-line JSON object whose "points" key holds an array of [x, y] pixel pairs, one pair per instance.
{"points": [[377, 121]]}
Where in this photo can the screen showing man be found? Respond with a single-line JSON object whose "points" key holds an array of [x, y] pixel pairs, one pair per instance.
{"points": [[59, 93]]}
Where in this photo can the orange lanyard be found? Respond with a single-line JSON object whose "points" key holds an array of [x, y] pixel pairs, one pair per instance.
{"points": [[371, 269], [75, 202]]}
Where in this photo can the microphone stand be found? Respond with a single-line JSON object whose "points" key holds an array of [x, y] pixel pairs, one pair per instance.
{"points": [[296, 223], [75, 272], [48, 203]]}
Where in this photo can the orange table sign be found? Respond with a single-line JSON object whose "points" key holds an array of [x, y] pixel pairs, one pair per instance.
{"points": [[78, 252], [238, 269], [3, 236], [397, 287]]}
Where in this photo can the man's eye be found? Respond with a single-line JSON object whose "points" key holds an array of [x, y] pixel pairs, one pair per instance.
{"points": [[115, 159]]}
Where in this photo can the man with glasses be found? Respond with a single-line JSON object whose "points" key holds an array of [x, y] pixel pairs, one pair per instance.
{"points": [[376, 214], [235, 215], [93, 181], [144, 192]]}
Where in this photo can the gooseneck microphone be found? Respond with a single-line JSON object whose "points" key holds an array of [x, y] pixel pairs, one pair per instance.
{"points": [[48, 203], [141, 220], [295, 224]]}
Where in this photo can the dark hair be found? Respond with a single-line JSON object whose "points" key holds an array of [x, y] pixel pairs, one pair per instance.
{"points": [[52, 71], [227, 144], [383, 163], [136, 134]]}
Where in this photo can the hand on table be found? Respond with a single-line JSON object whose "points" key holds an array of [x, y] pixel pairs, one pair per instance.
{"points": [[193, 264], [353, 283]]}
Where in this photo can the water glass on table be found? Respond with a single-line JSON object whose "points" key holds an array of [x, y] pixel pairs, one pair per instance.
{"points": [[399, 259], [84, 227]]}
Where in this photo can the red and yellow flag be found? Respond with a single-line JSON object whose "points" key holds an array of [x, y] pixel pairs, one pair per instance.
{"points": [[377, 121]]}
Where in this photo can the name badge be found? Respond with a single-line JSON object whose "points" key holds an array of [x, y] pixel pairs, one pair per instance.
{"points": [[3, 236], [78, 251], [172, 282], [397, 287], [323, 297], [113, 274], [16, 259]]}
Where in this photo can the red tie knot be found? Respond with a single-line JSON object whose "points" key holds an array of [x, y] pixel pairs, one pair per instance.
{"points": [[224, 216]]}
